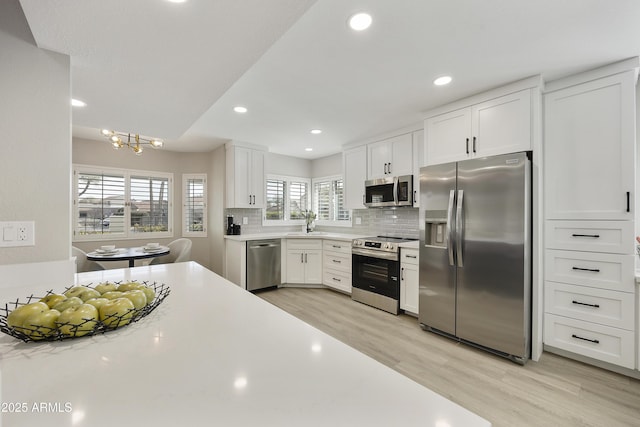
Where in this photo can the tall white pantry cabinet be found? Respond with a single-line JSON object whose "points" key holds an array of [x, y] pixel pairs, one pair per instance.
{"points": [[589, 193]]}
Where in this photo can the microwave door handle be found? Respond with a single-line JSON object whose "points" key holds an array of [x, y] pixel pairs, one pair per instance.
{"points": [[449, 232], [459, 227], [395, 190]]}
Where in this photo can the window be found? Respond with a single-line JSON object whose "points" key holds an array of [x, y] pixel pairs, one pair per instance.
{"points": [[328, 202], [287, 198], [194, 205], [122, 204]]}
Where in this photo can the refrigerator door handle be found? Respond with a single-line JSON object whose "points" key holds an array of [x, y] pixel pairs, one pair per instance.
{"points": [[395, 190], [459, 227], [452, 196]]}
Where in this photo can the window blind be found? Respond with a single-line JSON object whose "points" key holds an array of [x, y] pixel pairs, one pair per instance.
{"points": [[149, 204], [275, 199], [100, 198], [298, 199], [194, 205]]}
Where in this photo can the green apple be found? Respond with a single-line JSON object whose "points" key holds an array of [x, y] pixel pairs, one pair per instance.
{"points": [[149, 293], [96, 302], [137, 297], [106, 287], [40, 325], [116, 312], [53, 299], [75, 291], [112, 295], [78, 321], [19, 314], [67, 303], [130, 286], [88, 294]]}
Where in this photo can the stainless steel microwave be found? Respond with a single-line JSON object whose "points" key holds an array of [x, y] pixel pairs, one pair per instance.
{"points": [[389, 192]]}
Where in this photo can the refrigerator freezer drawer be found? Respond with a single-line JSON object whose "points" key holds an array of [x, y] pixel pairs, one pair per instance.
{"points": [[611, 345], [604, 271], [610, 308], [590, 236]]}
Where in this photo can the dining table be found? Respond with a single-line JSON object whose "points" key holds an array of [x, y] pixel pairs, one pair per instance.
{"points": [[128, 254]]}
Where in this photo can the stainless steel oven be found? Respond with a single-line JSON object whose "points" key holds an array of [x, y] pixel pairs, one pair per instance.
{"points": [[375, 272]]}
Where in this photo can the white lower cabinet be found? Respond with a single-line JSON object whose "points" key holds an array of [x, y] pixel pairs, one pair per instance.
{"points": [[304, 261], [409, 283], [612, 345], [337, 265]]}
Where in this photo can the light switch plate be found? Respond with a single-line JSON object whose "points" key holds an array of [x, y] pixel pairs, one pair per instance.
{"points": [[17, 233]]}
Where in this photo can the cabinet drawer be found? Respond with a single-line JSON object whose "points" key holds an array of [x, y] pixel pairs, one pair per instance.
{"points": [[611, 308], [337, 280], [409, 256], [337, 246], [590, 236], [605, 271], [304, 243], [604, 343], [337, 261]]}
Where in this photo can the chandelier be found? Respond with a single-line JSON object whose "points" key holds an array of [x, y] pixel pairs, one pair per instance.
{"points": [[121, 140]]}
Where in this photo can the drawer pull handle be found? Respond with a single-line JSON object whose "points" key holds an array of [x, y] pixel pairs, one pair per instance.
{"points": [[587, 304], [595, 236], [337, 246], [335, 279], [411, 256], [593, 270], [337, 261], [585, 339]]}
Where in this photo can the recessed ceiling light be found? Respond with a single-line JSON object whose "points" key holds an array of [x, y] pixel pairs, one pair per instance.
{"points": [[360, 21], [316, 131], [78, 103], [240, 109], [308, 149], [177, 1], [441, 81]]}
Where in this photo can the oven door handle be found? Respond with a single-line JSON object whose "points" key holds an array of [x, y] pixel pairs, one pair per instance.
{"points": [[449, 231], [372, 253], [395, 190]]}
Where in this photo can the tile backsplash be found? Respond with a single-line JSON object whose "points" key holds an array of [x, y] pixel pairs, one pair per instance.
{"points": [[401, 222]]}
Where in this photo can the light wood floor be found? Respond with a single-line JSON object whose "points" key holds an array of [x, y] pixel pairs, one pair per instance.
{"points": [[552, 392]]}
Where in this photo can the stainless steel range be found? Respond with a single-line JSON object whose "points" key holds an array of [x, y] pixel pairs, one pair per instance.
{"points": [[376, 267]]}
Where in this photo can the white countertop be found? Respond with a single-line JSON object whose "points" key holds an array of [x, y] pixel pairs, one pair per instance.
{"points": [[414, 244], [295, 235], [210, 354]]}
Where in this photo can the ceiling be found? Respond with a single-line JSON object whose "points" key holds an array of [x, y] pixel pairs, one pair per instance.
{"points": [[175, 71]]}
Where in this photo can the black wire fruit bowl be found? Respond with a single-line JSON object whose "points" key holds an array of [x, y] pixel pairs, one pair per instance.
{"points": [[85, 326]]}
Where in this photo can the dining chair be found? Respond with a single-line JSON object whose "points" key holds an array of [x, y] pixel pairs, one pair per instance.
{"points": [[82, 263], [180, 252]]}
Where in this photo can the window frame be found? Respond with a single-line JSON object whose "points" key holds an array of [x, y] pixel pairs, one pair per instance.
{"points": [[287, 201], [185, 208], [330, 222], [127, 174]]}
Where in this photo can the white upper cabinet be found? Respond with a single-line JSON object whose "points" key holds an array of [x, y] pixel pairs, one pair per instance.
{"points": [[390, 157], [354, 167], [499, 125], [589, 151], [244, 176]]}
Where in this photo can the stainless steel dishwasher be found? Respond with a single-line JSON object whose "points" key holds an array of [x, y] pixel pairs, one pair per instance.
{"points": [[263, 264]]}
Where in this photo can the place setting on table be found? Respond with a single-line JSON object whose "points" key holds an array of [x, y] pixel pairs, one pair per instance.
{"points": [[112, 253]]}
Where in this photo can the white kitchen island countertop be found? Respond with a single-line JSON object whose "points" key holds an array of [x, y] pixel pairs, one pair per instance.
{"points": [[211, 354]]}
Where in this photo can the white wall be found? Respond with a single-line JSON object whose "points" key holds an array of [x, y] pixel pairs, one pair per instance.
{"points": [[101, 153], [277, 164], [35, 124], [216, 189], [327, 166]]}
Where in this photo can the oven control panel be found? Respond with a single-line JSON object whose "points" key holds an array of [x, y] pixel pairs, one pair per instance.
{"points": [[382, 246]]}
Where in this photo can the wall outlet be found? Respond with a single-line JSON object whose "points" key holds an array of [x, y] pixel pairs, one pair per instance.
{"points": [[358, 220], [17, 233], [245, 220]]}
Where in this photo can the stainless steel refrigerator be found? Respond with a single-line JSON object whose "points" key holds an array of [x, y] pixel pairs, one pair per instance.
{"points": [[475, 252]]}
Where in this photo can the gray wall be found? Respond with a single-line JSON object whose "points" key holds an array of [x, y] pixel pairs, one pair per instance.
{"points": [[35, 107]]}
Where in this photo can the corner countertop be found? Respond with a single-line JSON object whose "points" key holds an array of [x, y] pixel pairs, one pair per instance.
{"points": [[295, 235], [414, 244], [210, 354]]}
